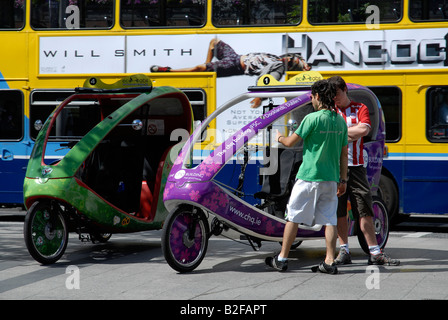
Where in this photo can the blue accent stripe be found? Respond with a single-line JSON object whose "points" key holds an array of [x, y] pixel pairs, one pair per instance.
{"points": [[404, 156], [3, 83]]}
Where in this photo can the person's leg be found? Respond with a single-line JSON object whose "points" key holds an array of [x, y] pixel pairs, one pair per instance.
{"points": [[300, 209], [331, 236], [325, 214], [368, 229], [361, 200], [280, 261], [211, 52], [342, 229], [198, 68], [289, 235]]}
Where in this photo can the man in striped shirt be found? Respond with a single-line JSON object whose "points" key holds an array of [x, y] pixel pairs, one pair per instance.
{"points": [[357, 118]]}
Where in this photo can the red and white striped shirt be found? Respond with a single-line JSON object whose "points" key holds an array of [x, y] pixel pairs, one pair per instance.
{"points": [[353, 114]]}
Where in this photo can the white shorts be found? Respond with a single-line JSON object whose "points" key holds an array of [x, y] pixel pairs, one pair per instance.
{"points": [[313, 203]]}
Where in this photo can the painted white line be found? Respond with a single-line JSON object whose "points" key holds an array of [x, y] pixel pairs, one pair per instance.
{"points": [[416, 235]]}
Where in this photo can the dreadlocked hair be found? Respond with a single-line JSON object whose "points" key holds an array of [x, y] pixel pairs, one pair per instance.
{"points": [[326, 91]]}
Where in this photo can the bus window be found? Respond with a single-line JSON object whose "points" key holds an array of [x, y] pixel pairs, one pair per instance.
{"points": [[428, 10], [72, 14], [437, 114], [42, 104], [256, 12], [391, 102], [345, 12], [12, 14], [163, 13], [11, 115], [197, 101]]}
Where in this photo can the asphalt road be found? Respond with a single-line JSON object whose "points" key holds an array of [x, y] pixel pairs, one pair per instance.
{"points": [[132, 267]]}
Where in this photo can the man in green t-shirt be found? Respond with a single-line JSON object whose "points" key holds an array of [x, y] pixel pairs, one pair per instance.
{"points": [[321, 177]]}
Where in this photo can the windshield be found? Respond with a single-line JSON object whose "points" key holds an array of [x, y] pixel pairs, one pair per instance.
{"points": [[219, 139], [74, 119]]}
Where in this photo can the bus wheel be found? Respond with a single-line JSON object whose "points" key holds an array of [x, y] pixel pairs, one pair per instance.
{"points": [[185, 238], [380, 224], [45, 232], [388, 191]]}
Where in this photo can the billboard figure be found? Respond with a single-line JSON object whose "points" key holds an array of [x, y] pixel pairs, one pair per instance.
{"points": [[229, 63]]}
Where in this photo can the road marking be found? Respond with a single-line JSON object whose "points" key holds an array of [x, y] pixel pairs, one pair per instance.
{"points": [[416, 235]]}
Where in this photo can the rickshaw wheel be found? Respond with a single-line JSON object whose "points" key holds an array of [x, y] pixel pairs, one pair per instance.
{"points": [[294, 245], [380, 223], [45, 232], [185, 238]]}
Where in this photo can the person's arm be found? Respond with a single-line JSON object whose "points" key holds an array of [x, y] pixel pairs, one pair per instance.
{"points": [[358, 131], [363, 127], [288, 141], [276, 70], [343, 171]]}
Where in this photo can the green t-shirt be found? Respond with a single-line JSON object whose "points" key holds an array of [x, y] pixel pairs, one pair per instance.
{"points": [[324, 133]]}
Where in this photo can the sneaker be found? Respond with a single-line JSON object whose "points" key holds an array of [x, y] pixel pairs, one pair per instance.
{"points": [[159, 69], [382, 259], [278, 265], [325, 268], [343, 257]]}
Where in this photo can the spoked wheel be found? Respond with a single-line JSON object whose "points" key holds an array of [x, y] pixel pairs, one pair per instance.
{"points": [[380, 224], [185, 238], [45, 232]]}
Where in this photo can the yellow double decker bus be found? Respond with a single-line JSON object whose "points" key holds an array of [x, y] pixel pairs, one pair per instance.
{"points": [[397, 48]]}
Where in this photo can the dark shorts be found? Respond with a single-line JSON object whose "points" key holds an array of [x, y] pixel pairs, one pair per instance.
{"points": [[228, 63], [358, 191]]}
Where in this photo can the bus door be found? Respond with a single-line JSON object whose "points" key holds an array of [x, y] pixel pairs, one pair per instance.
{"points": [[14, 147]]}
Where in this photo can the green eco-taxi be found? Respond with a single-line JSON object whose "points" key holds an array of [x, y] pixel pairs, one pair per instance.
{"points": [[112, 178]]}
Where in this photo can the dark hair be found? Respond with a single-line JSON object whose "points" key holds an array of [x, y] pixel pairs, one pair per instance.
{"points": [[338, 82], [326, 91], [292, 65]]}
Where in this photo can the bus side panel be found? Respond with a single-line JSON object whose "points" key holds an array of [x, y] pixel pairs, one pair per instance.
{"points": [[425, 186], [13, 164]]}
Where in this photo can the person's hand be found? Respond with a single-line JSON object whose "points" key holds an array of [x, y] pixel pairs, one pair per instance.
{"points": [[278, 136], [305, 66], [255, 103], [342, 187]]}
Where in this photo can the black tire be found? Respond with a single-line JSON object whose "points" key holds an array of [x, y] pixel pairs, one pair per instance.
{"points": [[380, 223], [185, 238], [294, 245], [389, 193], [45, 231]]}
